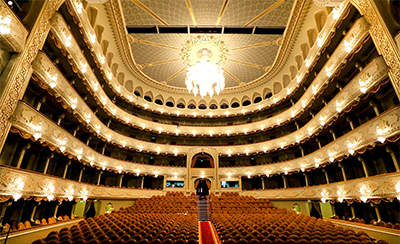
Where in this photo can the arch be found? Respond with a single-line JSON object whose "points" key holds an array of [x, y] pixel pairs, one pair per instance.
{"points": [[170, 102], [206, 181], [257, 99], [286, 80], [213, 104], [234, 100], [304, 50], [299, 61], [293, 72], [277, 87], [191, 104], [223, 101], [320, 19], [110, 57], [148, 98], [114, 69], [129, 85], [92, 15], [224, 106], [104, 46], [181, 103], [98, 31], [159, 99], [266, 93], [149, 94], [202, 106], [121, 78], [312, 36], [196, 159], [255, 95], [138, 91], [245, 98]]}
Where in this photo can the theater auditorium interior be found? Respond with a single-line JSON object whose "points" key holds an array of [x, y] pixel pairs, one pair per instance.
{"points": [[199, 121]]}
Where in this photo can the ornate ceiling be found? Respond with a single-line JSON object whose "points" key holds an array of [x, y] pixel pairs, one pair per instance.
{"points": [[249, 56]]}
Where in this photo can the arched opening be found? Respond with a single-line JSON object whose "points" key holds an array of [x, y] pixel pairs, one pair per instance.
{"points": [[202, 186], [202, 160]]}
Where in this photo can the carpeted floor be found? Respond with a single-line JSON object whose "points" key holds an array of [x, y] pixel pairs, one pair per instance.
{"points": [[206, 233]]}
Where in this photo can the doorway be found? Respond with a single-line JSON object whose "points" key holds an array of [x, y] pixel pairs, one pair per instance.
{"points": [[202, 186]]}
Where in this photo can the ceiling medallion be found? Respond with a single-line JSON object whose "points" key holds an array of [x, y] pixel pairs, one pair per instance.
{"points": [[204, 56]]}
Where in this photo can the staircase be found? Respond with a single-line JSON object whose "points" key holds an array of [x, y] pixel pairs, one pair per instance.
{"points": [[203, 206]]}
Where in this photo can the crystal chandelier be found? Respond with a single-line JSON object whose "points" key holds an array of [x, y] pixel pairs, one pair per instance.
{"points": [[206, 75]]}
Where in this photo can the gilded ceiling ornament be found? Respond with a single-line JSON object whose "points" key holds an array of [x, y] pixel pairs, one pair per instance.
{"points": [[15, 180], [308, 192], [366, 187], [290, 193], [393, 184]]}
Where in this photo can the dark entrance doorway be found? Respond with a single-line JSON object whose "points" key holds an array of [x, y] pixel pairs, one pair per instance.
{"points": [[202, 187]]}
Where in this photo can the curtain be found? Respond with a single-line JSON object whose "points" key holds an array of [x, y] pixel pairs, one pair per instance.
{"points": [[87, 206]]}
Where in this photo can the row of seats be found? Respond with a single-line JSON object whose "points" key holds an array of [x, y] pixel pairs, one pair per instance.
{"points": [[135, 224], [15, 226], [273, 225]]}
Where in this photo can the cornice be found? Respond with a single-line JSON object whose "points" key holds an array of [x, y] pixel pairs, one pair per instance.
{"points": [[380, 186], [41, 185]]}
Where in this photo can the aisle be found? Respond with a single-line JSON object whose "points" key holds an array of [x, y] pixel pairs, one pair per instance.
{"points": [[207, 234]]}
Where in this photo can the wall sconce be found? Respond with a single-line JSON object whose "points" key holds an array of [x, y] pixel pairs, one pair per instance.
{"points": [[319, 42], [37, 130], [79, 8], [53, 81], [93, 38], [347, 46], [328, 71]]}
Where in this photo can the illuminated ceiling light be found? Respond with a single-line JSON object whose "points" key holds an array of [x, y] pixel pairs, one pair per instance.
{"points": [[194, 113], [140, 148], [259, 107], [364, 199], [336, 13], [243, 111], [347, 46], [17, 195], [229, 152], [70, 198], [84, 68], [298, 79], [308, 62], [131, 100], [228, 132], [227, 113], [79, 8], [146, 105], [102, 59], [211, 114], [340, 199], [93, 38], [5, 22], [328, 71], [319, 42], [91, 163], [363, 85], [323, 199], [204, 55], [68, 40]]}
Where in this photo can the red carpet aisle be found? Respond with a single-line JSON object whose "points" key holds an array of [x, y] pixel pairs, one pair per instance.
{"points": [[207, 235]]}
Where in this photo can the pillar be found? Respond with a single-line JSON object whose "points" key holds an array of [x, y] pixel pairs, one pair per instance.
{"points": [[108, 123], [40, 102], [103, 150], [88, 140], [56, 209], [60, 118], [120, 180], [142, 183], [66, 168], [21, 156], [284, 181], [47, 163], [319, 143], [262, 183], [363, 165], [333, 134], [34, 212], [353, 213], [81, 173], [306, 179], [301, 150], [99, 178], [350, 122], [326, 176], [343, 171], [393, 155], [375, 107], [76, 130], [378, 215]]}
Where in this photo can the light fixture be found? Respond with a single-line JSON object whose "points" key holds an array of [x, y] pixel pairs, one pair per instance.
{"points": [[336, 13], [68, 40], [204, 55], [17, 195], [50, 197], [364, 199], [37, 133], [79, 8], [347, 46], [5, 22]]}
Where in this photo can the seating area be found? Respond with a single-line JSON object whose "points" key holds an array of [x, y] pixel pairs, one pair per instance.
{"points": [[153, 220], [15, 226], [257, 221]]}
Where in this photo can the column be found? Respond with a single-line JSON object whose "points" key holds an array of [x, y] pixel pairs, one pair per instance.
{"points": [[34, 212], [262, 183], [40, 102], [393, 155], [142, 183], [120, 180], [66, 168], [108, 123], [363, 165], [301, 150], [375, 107], [47, 163], [76, 130], [165, 182], [306, 179], [104, 148], [98, 179], [319, 143], [350, 122], [88, 140], [333, 134], [56, 209], [21, 156], [60, 118], [343, 172], [81, 173], [326, 176], [378, 215], [353, 213], [284, 181], [297, 125]]}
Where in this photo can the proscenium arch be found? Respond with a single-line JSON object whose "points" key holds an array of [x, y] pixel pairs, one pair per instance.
{"points": [[208, 181], [201, 155]]}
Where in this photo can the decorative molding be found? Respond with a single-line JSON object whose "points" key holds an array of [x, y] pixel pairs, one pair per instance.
{"points": [[373, 187], [14, 41], [18, 77], [382, 38], [35, 184]]}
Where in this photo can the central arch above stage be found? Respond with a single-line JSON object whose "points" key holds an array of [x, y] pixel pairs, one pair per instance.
{"points": [[202, 160]]}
